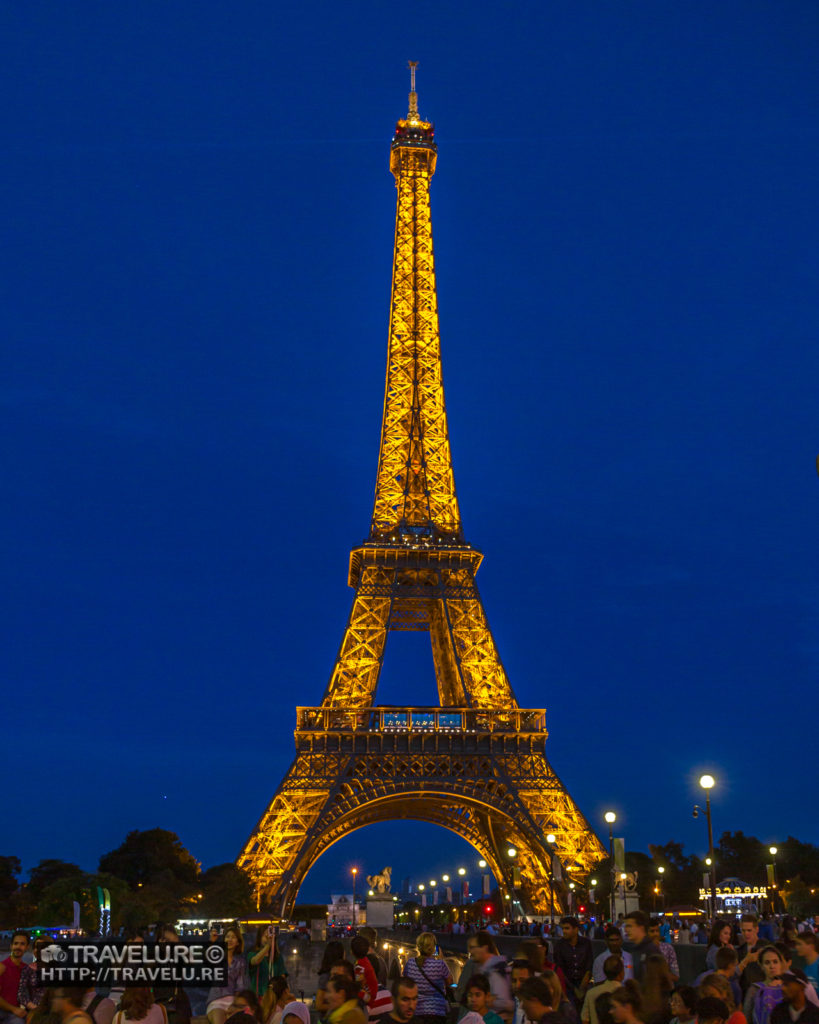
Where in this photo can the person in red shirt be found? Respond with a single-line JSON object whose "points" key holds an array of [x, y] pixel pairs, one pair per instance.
{"points": [[364, 973], [11, 970]]}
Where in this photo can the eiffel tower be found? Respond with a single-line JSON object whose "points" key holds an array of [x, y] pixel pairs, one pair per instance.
{"points": [[475, 764]]}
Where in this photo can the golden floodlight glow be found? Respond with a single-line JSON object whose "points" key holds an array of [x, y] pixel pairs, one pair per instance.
{"points": [[476, 763]]}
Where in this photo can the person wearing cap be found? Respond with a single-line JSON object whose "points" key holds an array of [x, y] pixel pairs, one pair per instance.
{"points": [[795, 1007]]}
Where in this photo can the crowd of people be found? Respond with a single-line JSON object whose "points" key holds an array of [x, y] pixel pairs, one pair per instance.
{"points": [[751, 977], [256, 986]]}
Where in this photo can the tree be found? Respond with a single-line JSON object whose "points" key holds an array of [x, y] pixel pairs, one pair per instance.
{"points": [[681, 878], [798, 859], [47, 873], [9, 870], [153, 857], [226, 892], [741, 856]]}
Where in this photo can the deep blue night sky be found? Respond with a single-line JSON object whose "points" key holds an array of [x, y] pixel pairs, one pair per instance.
{"points": [[198, 236]]}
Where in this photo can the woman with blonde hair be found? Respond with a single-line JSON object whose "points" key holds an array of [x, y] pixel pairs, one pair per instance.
{"points": [[433, 979], [719, 987]]}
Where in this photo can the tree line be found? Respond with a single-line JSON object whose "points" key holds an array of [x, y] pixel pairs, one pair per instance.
{"points": [[151, 877]]}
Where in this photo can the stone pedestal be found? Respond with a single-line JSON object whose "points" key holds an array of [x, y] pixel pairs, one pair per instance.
{"points": [[380, 913]]}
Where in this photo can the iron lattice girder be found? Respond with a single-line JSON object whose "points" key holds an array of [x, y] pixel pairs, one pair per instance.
{"points": [[513, 796], [419, 588], [415, 484], [485, 778]]}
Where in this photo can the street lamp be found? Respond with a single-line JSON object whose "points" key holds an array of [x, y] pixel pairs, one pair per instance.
{"points": [[462, 871], [481, 863], [512, 852], [707, 783], [551, 840], [773, 850], [611, 817], [445, 878], [355, 872]]}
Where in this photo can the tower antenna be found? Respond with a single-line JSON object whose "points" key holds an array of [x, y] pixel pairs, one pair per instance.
{"points": [[413, 96]]}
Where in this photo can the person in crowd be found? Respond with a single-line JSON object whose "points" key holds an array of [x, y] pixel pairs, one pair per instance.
{"points": [[684, 1005], [726, 966], [656, 990], [805, 947], [479, 999], [344, 969], [45, 1012], [789, 932], [639, 944], [375, 958], [273, 1002], [767, 929], [762, 996], [30, 991], [521, 970], [264, 960], [717, 986], [343, 1002], [137, 1004], [794, 1008], [68, 1003], [333, 953], [548, 964], [11, 971], [749, 969], [220, 997], [684, 934], [711, 1011], [100, 1008], [364, 971], [484, 953], [542, 999], [431, 976], [721, 935], [175, 1000], [213, 935], [627, 1003], [596, 1007], [296, 1013], [614, 944], [404, 1002], [245, 1004], [665, 948], [575, 956]]}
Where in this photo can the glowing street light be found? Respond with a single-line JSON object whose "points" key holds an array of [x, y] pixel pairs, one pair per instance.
{"points": [[610, 818], [512, 852], [461, 872], [707, 783], [481, 863], [355, 872], [444, 878]]}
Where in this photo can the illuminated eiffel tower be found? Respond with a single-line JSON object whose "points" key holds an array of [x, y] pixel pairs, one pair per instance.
{"points": [[475, 764]]}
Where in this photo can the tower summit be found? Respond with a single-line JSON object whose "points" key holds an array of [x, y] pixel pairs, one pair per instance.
{"points": [[475, 764]]}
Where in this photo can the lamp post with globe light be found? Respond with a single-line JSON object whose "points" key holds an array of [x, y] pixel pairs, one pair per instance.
{"points": [[707, 783], [355, 872], [773, 850], [551, 840], [611, 817]]}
